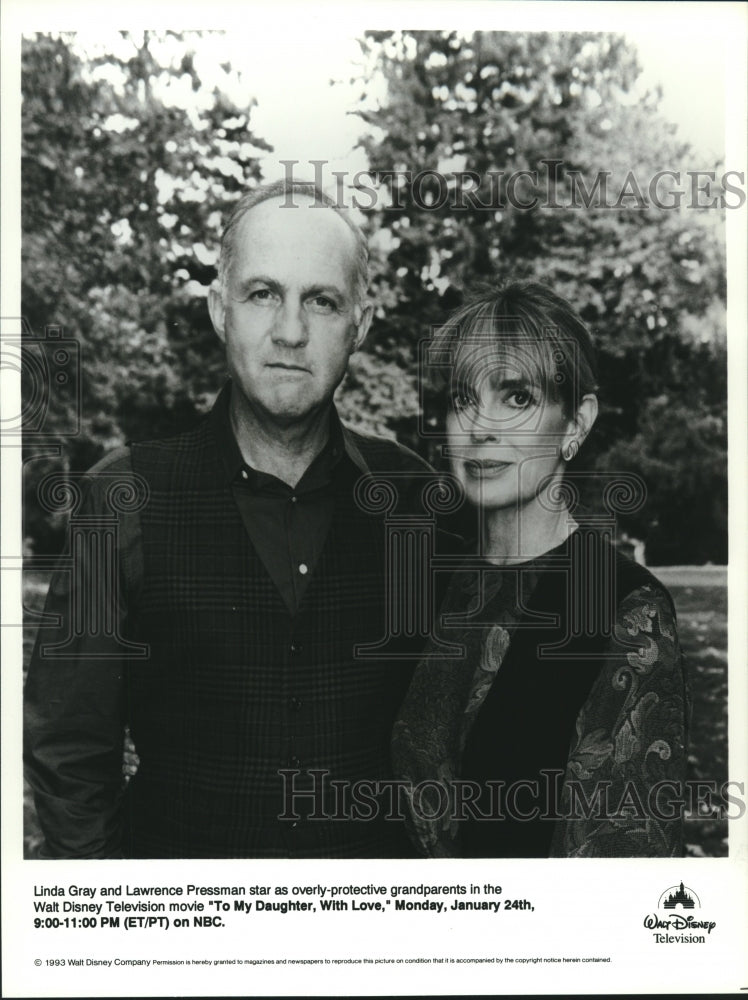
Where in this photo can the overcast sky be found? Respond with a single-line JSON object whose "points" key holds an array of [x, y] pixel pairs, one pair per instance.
{"points": [[304, 117], [681, 48], [288, 53]]}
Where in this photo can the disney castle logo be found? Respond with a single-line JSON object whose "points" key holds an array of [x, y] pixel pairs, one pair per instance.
{"points": [[688, 929], [681, 897]]}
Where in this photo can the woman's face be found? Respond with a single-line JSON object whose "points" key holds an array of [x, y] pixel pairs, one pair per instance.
{"points": [[504, 435]]}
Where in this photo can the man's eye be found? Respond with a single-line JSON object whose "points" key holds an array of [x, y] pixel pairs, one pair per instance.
{"points": [[323, 304], [261, 296]]}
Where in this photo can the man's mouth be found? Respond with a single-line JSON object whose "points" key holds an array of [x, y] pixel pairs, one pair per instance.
{"points": [[281, 366]]}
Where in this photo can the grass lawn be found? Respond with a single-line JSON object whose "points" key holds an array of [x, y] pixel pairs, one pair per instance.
{"points": [[702, 627], [701, 604]]}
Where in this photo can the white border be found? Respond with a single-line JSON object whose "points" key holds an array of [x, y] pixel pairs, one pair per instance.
{"points": [[581, 908]]}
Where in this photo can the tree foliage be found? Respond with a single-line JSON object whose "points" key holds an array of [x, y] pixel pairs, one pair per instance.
{"points": [[648, 280], [129, 164]]}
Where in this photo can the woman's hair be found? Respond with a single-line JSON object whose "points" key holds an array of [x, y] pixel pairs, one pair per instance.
{"points": [[526, 326]]}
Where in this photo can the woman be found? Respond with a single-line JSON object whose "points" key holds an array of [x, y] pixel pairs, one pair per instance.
{"points": [[558, 727]]}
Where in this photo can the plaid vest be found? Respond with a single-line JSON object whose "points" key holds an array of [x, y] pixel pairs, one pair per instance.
{"points": [[237, 690]]}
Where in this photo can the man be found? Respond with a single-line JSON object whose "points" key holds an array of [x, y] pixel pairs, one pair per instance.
{"points": [[248, 577]]}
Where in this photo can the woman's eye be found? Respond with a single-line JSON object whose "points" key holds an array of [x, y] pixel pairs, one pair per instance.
{"points": [[461, 401], [520, 398]]}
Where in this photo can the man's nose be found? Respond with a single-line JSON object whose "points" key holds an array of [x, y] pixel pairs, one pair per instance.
{"points": [[290, 326]]}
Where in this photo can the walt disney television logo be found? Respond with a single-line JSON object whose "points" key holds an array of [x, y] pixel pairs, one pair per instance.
{"points": [[675, 921]]}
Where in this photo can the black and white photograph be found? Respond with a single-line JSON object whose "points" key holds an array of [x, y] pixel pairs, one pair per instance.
{"points": [[371, 553]]}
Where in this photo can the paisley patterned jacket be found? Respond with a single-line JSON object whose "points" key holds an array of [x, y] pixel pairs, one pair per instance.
{"points": [[619, 795]]}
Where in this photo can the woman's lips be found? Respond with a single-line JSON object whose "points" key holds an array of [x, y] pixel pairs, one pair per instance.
{"points": [[484, 468]]}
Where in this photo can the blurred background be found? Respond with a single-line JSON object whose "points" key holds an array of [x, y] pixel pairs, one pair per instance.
{"points": [[135, 146]]}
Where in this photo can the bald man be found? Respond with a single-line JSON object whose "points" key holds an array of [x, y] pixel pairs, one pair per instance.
{"points": [[247, 578]]}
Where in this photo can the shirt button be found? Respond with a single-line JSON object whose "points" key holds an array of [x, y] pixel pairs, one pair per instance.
{"points": [[295, 647], [245, 474], [303, 569], [294, 499], [296, 704]]}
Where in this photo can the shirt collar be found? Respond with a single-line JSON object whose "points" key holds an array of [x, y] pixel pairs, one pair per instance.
{"points": [[232, 462]]}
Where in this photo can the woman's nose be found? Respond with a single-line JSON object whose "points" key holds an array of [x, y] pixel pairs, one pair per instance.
{"points": [[481, 427]]}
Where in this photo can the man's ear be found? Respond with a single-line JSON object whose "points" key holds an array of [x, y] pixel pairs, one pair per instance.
{"points": [[217, 312], [362, 327]]}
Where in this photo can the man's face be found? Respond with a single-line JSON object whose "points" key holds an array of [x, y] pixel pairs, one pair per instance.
{"points": [[289, 316]]}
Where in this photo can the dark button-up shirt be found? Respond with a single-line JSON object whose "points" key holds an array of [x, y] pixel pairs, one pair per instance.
{"points": [[287, 525]]}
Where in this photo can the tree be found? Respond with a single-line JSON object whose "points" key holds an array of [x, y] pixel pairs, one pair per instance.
{"points": [[129, 165], [561, 108]]}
